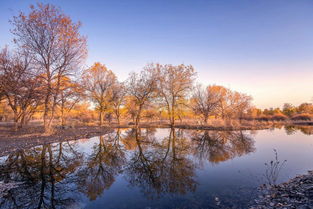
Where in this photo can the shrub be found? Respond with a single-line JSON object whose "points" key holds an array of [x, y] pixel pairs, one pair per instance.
{"points": [[302, 116], [264, 118], [279, 117]]}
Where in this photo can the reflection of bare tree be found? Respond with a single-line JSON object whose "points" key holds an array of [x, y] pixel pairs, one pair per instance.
{"points": [[219, 146], [290, 130], [160, 167], [52, 175], [103, 165], [307, 130], [129, 138], [41, 170]]}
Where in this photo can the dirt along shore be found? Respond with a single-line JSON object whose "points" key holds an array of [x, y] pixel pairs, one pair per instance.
{"points": [[27, 137]]}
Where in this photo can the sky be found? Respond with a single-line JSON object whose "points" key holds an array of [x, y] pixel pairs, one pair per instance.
{"points": [[263, 48]]}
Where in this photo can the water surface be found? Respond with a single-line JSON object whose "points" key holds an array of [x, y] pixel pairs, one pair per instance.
{"points": [[156, 168]]}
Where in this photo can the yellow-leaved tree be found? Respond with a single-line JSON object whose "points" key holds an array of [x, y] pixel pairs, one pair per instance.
{"points": [[98, 82]]}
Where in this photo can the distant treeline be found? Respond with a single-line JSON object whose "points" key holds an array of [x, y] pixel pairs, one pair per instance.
{"points": [[289, 112]]}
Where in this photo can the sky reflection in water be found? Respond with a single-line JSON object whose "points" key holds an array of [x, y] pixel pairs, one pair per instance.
{"points": [[154, 168]]}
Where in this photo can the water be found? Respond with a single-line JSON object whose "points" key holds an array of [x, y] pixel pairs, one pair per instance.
{"points": [[155, 168]]}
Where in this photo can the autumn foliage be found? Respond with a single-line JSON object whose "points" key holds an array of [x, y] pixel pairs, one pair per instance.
{"points": [[43, 79]]}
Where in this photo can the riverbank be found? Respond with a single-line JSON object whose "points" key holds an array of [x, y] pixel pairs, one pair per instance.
{"points": [[27, 137], [214, 125], [296, 193], [33, 134]]}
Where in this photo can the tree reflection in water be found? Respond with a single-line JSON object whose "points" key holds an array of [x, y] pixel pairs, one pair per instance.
{"points": [[219, 146], [160, 167], [40, 169], [307, 130], [103, 165], [58, 175]]}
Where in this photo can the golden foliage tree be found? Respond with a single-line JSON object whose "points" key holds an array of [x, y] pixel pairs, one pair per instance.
{"points": [[141, 89], [20, 88], [98, 81], [205, 101], [174, 84], [70, 95], [56, 45]]}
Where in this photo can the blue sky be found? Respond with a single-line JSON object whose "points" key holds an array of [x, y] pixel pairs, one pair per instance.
{"points": [[263, 47]]}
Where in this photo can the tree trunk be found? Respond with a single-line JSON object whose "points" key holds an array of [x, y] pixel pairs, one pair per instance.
{"points": [[62, 121], [138, 117], [206, 117], [172, 120], [118, 119], [47, 120], [22, 121], [15, 122], [45, 115], [117, 112], [137, 120], [100, 118], [62, 115], [50, 120]]}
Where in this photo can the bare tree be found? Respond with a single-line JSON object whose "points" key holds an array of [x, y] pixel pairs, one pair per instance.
{"points": [[231, 104], [205, 101], [240, 103], [19, 86], [142, 88], [57, 46], [98, 82], [220, 101], [118, 99], [174, 85]]}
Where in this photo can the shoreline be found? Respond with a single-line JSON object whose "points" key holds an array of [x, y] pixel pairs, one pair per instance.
{"points": [[33, 135], [295, 193]]}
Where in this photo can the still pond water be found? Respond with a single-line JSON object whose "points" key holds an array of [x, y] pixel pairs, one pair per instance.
{"points": [[155, 168]]}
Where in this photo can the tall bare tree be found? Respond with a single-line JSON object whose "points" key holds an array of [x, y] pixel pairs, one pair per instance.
{"points": [[118, 99], [240, 103], [205, 101], [142, 89], [98, 82], [174, 85], [57, 46], [19, 86]]}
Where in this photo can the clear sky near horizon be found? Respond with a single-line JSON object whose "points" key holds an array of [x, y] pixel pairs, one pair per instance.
{"points": [[263, 47]]}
